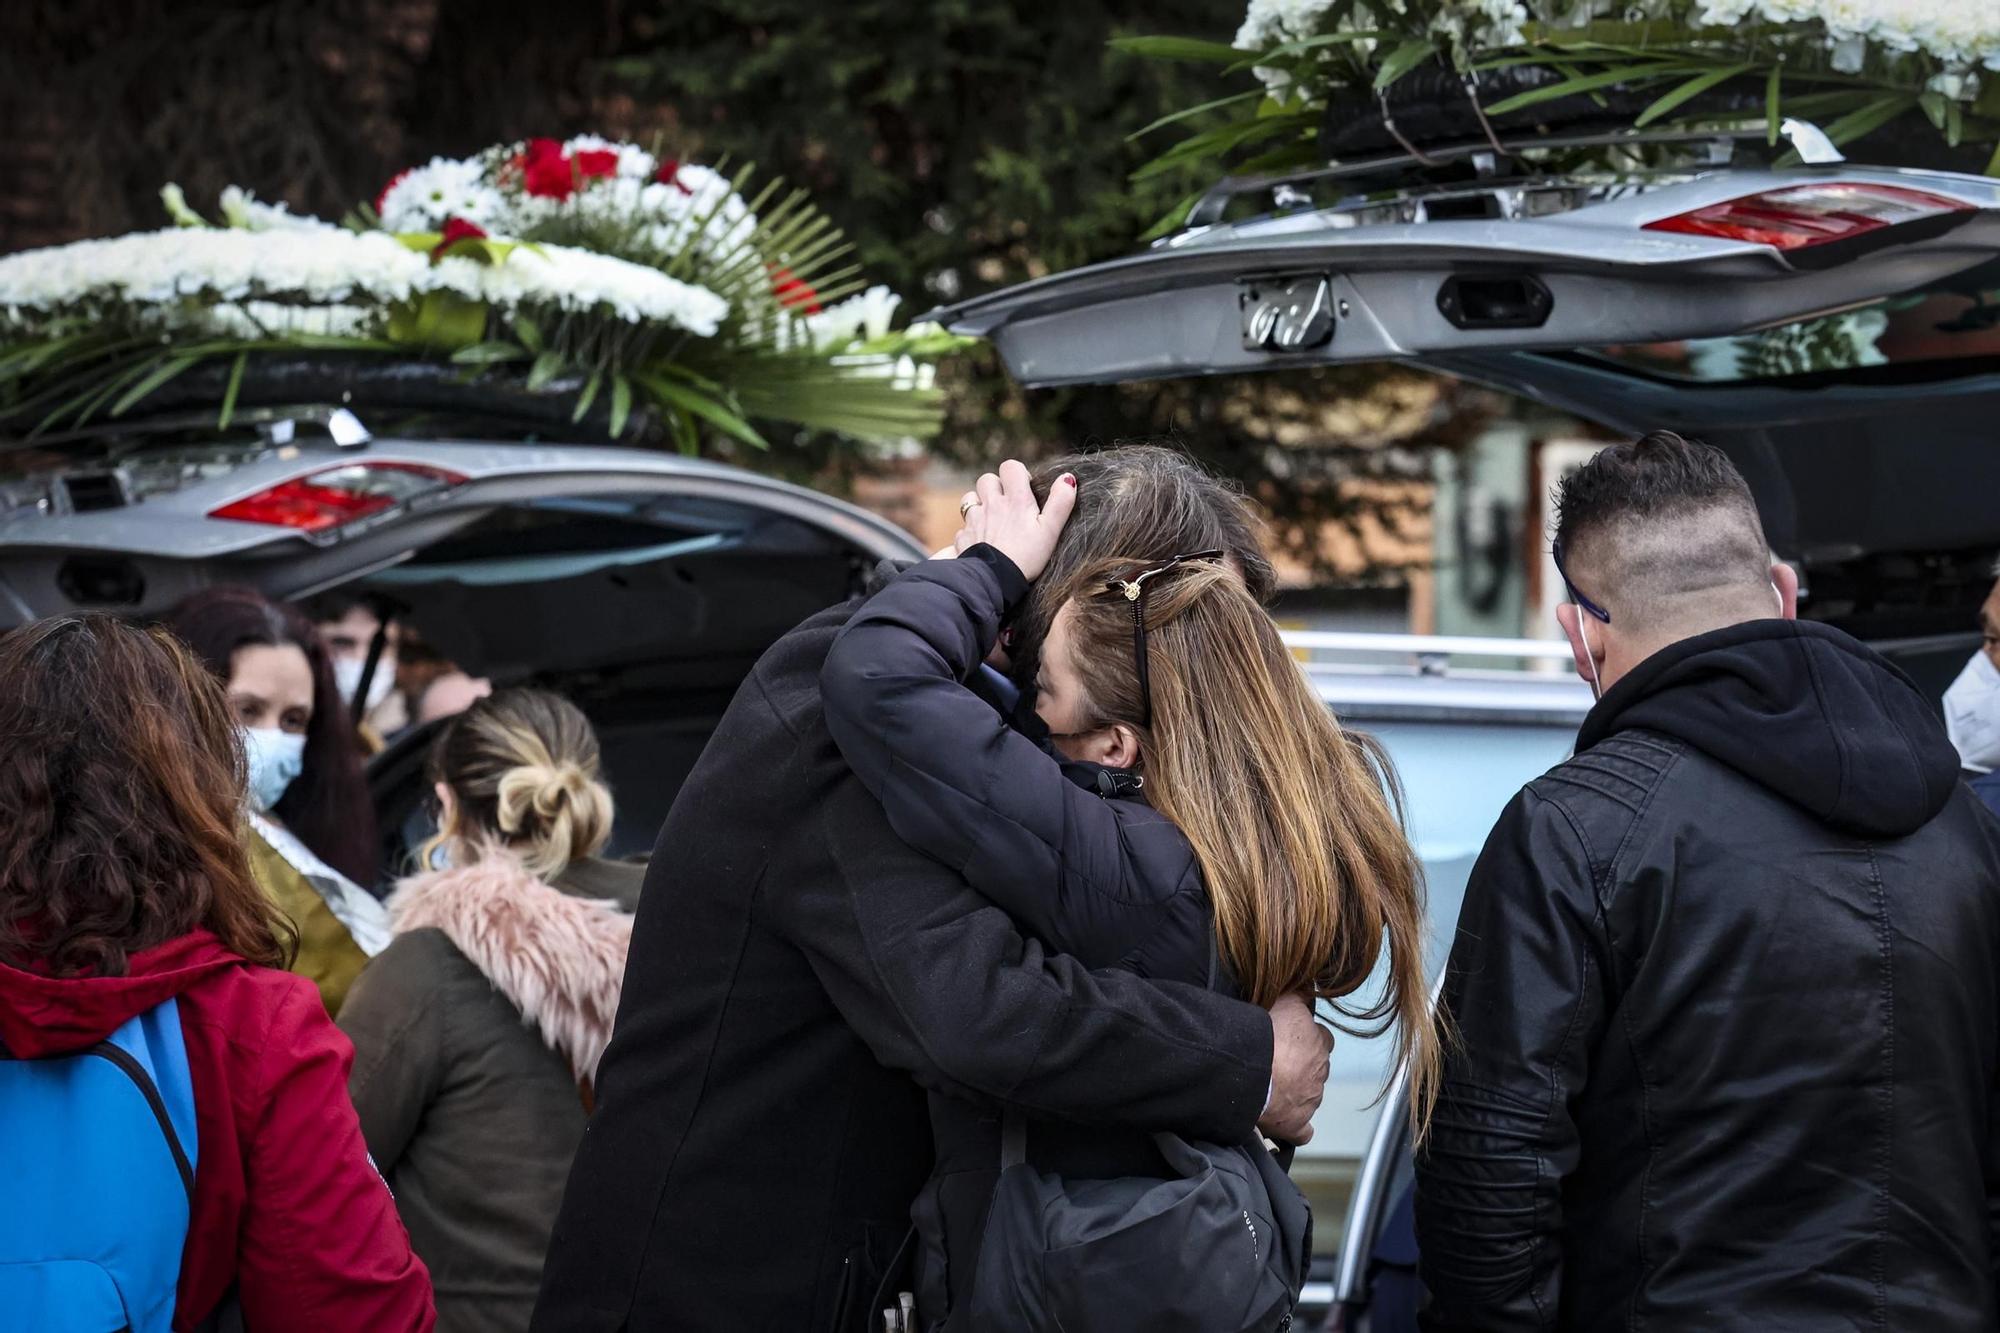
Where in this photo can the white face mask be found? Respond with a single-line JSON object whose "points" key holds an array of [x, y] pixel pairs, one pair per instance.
{"points": [[347, 676], [1972, 714], [274, 758]]}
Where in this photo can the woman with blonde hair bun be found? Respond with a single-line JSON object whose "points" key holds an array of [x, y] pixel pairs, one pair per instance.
{"points": [[478, 1030]]}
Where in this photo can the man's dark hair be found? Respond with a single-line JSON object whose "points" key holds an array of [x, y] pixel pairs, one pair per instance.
{"points": [[1140, 501], [324, 608], [1659, 518]]}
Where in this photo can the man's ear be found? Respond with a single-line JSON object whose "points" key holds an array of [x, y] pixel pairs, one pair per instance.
{"points": [[1570, 616], [1786, 580]]}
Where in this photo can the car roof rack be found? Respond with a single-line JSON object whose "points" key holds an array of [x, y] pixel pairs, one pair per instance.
{"points": [[1483, 154]]}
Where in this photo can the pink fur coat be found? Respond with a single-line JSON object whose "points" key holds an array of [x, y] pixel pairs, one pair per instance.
{"points": [[559, 959]]}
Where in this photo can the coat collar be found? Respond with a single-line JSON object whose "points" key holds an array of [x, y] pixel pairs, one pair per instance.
{"points": [[557, 958]]}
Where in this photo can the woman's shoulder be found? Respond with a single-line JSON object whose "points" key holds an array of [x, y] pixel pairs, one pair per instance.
{"points": [[250, 1001], [1162, 860], [257, 1025], [420, 967], [612, 881], [1169, 938]]}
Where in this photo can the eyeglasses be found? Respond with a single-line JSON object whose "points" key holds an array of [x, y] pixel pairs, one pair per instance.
{"points": [[1574, 595], [1133, 590]]}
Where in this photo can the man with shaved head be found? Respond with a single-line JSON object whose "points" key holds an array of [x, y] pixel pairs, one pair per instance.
{"points": [[1723, 990]]}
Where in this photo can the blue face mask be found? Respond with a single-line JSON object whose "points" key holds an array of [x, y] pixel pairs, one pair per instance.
{"points": [[275, 758]]}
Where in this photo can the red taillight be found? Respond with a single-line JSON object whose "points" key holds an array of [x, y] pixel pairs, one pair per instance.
{"points": [[338, 495], [1806, 215]]}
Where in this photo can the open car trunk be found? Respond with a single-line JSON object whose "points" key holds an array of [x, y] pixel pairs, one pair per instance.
{"points": [[646, 610], [1853, 375], [1867, 437]]}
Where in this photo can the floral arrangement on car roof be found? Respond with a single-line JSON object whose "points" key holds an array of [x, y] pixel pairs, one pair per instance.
{"points": [[598, 273], [1850, 66]]}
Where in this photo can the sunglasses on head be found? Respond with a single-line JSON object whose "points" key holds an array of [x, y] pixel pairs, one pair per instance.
{"points": [[1592, 607], [1133, 590]]}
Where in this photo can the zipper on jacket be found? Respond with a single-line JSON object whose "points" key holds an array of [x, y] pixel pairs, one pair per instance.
{"points": [[137, 1073]]}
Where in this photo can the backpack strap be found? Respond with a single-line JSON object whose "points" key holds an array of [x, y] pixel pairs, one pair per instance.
{"points": [[128, 1065], [132, 1069]]}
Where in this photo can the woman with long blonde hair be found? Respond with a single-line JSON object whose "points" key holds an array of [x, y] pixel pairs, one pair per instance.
{"points": [[478, 1030], [1195, 814]]}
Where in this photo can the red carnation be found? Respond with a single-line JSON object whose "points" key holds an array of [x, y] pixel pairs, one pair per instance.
{"points": [[670, 174], [594, 162], [545, 170], [791, 292], [456, 230], [394, 181]]}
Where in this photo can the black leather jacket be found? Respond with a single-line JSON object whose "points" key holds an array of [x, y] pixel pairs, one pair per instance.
{"points": [[1724, 985]]}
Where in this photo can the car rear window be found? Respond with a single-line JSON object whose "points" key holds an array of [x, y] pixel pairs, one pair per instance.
{"points": [[1952, 321]]}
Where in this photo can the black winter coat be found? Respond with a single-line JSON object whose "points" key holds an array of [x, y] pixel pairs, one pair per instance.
{"points": [[1110, 881], [1725, 989], [796, 971]]}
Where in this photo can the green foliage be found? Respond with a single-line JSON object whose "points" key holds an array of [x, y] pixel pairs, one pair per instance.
{"points": [[964, 147], [1684, 63], [961, 146]]}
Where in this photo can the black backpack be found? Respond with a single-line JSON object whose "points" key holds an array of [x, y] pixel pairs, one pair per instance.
{"points": [[1221, 1246]]}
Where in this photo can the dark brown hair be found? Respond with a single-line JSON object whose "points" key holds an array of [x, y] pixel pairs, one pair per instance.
{"points": [[120, 792], [524, 774], [1296, 821], [1649, 522], [1138, 502], [327, 805]]}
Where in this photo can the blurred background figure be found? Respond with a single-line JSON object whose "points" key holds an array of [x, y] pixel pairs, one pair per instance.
{"points": [[312, 839], [1972, 706], [349, 624], [128, 916], [478, 1030], [451, 692]]}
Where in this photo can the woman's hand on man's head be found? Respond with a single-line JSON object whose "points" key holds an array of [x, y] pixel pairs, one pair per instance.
{"points": [[1001, 510]]}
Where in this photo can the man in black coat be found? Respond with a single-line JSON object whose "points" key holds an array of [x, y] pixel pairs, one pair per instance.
{"points": [[799, 976], [1724, 981]]}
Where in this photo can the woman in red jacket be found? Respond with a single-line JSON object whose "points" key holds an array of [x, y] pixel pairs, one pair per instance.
{"points": [[123, 884]]}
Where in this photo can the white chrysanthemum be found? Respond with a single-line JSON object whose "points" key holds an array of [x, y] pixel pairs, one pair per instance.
{"points": [[324, 264], [584, 281], [425, 197], [698, 192], [332, 267], [1963, 35], [660, 216], [1269, 23]]}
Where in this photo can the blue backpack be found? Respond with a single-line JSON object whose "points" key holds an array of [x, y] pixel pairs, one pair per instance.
{"points": [[97, 1155]]}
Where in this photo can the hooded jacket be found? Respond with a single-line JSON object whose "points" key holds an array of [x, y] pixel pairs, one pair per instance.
{"points": [[287, 1209], [476, 1033], [1725, 999]]}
